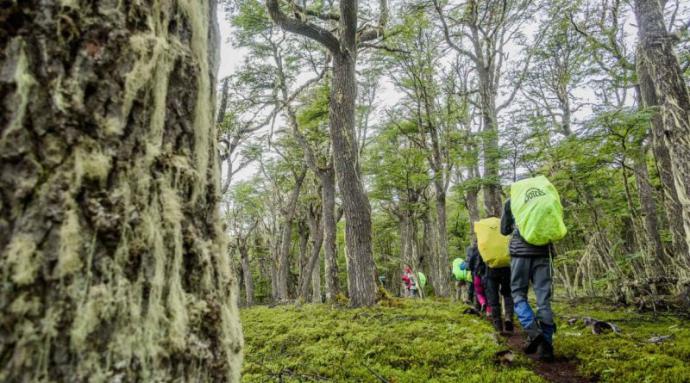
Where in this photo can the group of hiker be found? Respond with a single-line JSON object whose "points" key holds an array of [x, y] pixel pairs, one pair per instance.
{"points": [[508, 254]]}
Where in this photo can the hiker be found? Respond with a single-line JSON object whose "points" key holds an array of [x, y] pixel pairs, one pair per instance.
{"points": [[463, 279], [477, 267], [534, 216], [493, 250], [409, 281]]}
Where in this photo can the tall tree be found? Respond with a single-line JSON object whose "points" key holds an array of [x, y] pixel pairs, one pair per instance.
{"points": [[343, 49], [489, 26], [434, 109], [604, 33], [663, 87], [113, 260]]}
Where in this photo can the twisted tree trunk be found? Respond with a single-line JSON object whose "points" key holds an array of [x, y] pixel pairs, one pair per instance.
{"points": [[113, 263]]}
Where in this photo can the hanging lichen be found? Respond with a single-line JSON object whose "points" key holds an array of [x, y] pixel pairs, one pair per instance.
{"points": [[113, 261]]}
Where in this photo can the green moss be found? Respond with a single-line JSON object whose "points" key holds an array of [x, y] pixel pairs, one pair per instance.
{"points": [[432, 341], [91, 164], [90, 316], [69, 259], [629, 356], [197, 14], [24, 82], [25, 305], [414, 342], [24, 259]]}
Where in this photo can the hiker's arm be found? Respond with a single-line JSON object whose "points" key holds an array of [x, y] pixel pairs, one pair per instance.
{"points": [[507, 220]]}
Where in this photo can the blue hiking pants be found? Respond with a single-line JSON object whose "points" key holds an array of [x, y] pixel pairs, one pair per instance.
{"points": [[537, 271]]}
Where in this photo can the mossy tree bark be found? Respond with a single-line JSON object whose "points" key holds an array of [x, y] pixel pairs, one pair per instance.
{"points": [[663, 87], [113, 263]]}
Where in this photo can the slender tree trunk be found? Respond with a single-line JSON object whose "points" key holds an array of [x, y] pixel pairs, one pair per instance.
{"points": [[247, 275], [472, 206], [282, 262], [492, 179], [316, 283], [360, 261], [407, 241], [113, 262], [310, 267], [223, 106], [330, 251], [304, 257], [663, 86], [442, 271]]}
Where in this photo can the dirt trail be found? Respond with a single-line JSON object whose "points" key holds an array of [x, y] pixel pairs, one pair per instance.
{"points": [[562, 370]]}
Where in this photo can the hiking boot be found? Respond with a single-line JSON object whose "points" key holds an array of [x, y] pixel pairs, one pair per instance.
{"points": [[546, 352], [498, 326], [508, 326], [534, 338]]}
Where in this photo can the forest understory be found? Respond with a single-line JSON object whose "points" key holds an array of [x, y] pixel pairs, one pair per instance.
{"points": [[403, 340]]}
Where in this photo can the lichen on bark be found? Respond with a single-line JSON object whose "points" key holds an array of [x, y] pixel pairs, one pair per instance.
{"points": [[112, 258]]}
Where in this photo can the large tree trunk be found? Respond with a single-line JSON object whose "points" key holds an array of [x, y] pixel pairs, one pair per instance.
{"points": [[330, 251], [360, 261], [247, 274], [672, 206], [648, 204], [113, 263], [662, 85]]}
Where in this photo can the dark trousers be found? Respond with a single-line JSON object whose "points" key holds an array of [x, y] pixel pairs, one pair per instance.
{"points": [[497, 285]]}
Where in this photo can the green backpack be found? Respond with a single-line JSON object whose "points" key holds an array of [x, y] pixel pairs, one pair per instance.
{"points": [[537, 209], [422, 279], [459, 273]]}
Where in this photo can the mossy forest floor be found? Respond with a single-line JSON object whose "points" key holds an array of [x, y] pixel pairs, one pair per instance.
{"points": [[433, 341]]}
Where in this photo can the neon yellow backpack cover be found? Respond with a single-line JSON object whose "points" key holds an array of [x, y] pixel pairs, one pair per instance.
{"points": [[537, 209], [422, 279], [493, 246]]}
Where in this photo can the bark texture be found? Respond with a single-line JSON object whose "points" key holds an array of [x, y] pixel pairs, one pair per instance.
{"points": [[360, 260], [330, 251], [113, 263], [663, 87], [246, 274]]}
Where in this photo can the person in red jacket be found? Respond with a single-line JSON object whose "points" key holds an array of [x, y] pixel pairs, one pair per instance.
{"points": [[409, 281]]}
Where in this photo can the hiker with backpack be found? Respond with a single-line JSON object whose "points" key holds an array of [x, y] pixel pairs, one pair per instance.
{"points": [[463, 279], [410, 282], [478, 269], [493, 250], [534, 216]]}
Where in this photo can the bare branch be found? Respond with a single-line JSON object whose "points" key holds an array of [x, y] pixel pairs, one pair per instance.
{"points": [[312, 31]]}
